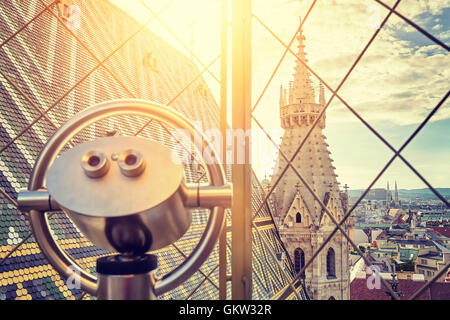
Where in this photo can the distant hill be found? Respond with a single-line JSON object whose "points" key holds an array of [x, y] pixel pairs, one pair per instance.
{"points": [[424, 194]]}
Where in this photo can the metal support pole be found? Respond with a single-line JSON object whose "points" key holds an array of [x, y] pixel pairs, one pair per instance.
{"points": [[241, 259], [223, 129]]}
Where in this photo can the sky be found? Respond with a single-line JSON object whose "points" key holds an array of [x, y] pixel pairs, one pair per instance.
{"points": [[401, 77]]}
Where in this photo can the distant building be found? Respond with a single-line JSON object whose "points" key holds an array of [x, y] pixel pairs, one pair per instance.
{"points": [[385, 196], [388, 196], [376, 194], [431, 263], [442, 235], [396, 201]]}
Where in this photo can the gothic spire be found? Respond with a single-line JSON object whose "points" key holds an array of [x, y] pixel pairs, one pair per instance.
{"points": [[303, 91], [322, 95], [282, 96], [388, 196], [396, 194]]}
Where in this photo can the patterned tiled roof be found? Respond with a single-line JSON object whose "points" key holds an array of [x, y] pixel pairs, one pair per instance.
{"points": [[443, 231], [47, 63], [436, 291]]}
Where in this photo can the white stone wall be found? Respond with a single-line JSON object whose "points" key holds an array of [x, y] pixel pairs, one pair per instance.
{"points": [[317, 284]]}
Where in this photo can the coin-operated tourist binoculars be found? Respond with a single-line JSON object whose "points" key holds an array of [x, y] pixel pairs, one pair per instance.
{"points": [[127, 195]]}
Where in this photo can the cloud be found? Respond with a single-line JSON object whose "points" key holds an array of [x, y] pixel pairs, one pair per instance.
{"points": [[399, 77], [412, 9], [445, 35], [398, 80]]}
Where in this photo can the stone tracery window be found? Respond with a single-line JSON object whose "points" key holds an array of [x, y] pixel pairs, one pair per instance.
{"points": [[299, 261], [331, 264], [298, 218]]}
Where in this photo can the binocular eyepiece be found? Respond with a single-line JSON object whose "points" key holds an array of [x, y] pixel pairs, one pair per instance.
{"points": [[96, 163]]}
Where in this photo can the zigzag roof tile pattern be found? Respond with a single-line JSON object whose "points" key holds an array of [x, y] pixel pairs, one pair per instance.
{"points": [[60, 77]]}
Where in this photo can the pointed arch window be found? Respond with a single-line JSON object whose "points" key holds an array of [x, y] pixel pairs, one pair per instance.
{"points": [[331, 264], [150, 61], [69, 13], [299, 261], [298, 218], [202, 90]]}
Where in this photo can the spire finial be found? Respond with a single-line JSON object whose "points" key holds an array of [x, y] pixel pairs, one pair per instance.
{"points": [[396, 194], [322, 95], [282, 102], [297, 187], [302, 82]]}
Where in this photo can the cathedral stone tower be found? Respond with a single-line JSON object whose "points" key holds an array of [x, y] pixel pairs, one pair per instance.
{"points": [[303, 225]]}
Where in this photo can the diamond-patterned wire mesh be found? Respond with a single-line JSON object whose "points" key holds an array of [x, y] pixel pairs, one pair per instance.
{"points": [[98, 54], [99, 63], [289, 160], [54, 108]]}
